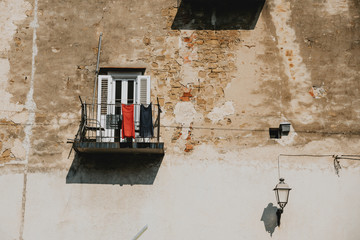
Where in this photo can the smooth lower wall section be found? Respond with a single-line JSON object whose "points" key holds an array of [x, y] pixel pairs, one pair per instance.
{"points": [[205, 195], [11, 186]]}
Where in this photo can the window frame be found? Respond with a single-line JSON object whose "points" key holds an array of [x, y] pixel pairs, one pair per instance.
{"points": [[141, 95]]}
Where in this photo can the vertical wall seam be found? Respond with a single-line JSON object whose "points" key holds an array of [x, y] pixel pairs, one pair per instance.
{"points": [[30, 106], [298, 76]]}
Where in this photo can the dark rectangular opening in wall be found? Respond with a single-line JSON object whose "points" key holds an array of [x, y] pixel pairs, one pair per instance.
{"points": [[274, 133], [217, 14], [117, 108], [107, 70], [130, 92]]}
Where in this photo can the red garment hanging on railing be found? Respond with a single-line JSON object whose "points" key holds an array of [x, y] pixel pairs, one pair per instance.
{"points": [[128, 124]]}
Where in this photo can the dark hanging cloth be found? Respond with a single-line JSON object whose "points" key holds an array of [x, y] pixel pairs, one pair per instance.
{"points": [[146, 123], [128, 125]]}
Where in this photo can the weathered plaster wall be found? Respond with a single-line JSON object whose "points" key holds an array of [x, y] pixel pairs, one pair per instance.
{"points": [[220, 92], [15, 69]]}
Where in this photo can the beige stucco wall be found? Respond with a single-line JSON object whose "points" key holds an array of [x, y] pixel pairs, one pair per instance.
{"points": [[220, 92]]}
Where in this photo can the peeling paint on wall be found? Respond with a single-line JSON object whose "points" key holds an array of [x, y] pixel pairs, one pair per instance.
{"points": [[184, 113], [188, 53], [6, 106], [219, 113], [317, 92], [11, 13]]}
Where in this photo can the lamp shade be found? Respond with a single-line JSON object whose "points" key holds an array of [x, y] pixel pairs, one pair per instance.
{"points": [[282, 193]]}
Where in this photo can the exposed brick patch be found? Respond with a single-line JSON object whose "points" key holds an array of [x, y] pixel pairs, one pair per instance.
{"points": [[190, 39], [186, 96], [210, 54], [187, 39], [189, 147], [190, 45], [189, 135], [176, 135], [186, 59]]}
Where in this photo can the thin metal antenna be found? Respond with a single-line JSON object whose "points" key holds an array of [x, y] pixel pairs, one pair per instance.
{"points": [[96, 73]]}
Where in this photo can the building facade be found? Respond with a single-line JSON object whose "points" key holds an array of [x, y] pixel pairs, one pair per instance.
{"points": [[223, 73]]}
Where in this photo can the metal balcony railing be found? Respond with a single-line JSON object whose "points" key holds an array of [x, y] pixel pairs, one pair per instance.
{"points": [[100, 128]]}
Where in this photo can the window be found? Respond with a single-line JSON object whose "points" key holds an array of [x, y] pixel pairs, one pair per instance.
{"points": [[116, 88], [217, 15]]}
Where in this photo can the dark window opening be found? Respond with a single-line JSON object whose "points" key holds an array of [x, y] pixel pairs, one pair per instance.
{"points": [[218, 14], [118, 108], [107, 70], [118, 92], [130, 92]]}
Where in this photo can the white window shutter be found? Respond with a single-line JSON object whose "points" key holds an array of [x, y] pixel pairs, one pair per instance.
{"points": [[143, 89], [106, 94], [142, 96], [103, 94]]}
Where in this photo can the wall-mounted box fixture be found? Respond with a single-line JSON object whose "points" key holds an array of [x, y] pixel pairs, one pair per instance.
{"points": [[282, 130]]}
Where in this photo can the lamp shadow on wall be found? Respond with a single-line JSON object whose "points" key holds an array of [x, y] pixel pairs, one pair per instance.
{"points": [[217, 14], [108, 169], [269, 218]]}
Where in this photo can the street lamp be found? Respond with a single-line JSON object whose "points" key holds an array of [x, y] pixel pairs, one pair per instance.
{"points": [[282, 196]]}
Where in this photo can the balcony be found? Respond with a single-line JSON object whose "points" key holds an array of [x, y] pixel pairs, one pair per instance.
{"points": [[101, 131]]}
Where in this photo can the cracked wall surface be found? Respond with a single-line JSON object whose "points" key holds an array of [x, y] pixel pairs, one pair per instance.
{"points": [[220, 91]]}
